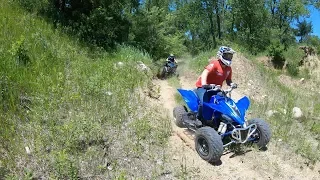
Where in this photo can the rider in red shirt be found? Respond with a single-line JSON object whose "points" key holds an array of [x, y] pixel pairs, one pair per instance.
{"points": [[216, 73]]}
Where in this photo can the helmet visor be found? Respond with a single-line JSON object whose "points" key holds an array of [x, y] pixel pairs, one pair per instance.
{"points": [[227, 56]]}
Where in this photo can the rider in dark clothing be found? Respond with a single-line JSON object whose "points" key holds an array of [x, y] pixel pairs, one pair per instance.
{"points": [[171, 58]]}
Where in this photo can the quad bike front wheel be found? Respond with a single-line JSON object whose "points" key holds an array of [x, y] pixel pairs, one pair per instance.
{"points": [[163, 73], [262, 135], [178, 115], [208, 144]]}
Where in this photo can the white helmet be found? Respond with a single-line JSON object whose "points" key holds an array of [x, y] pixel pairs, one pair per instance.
{"points": [[225, 54]]}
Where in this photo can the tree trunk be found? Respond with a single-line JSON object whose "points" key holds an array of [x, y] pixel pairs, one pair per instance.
{"points": [[232, 25], [216, 4], [212, 29], [273, 7]]}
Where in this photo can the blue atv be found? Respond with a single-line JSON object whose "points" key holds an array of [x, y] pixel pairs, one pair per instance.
{"points": [[223, 122], [169, 69]]}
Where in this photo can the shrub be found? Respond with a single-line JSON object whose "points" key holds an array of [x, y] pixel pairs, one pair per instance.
{"points": [[275, 50], [293, 56]]}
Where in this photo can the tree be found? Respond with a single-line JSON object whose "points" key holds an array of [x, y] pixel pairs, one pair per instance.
{"points": [[251, 23], [304, 28], [159, 25]]}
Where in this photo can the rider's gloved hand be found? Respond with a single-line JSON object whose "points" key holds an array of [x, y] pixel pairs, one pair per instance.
{"points": [[208, 86], [233, 85]]}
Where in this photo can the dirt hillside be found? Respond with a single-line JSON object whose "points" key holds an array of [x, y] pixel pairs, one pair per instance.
{"points": [[275, 163]]}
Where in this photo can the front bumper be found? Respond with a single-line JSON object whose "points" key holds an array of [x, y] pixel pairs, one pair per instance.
{"points": [[241, 135]]}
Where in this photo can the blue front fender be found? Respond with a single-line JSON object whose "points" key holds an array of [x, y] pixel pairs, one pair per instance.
{"points": [[190, 98], [243, 105]]}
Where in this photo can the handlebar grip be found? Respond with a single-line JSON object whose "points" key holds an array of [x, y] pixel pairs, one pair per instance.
{"points": [[234, 85], [207, 86]]}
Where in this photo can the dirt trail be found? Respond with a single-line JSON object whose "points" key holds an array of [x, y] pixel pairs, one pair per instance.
{"points": [[253, 164]]}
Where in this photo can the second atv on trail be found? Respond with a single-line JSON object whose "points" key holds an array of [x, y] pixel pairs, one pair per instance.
{"points": [[224, 123], [168, 69]]}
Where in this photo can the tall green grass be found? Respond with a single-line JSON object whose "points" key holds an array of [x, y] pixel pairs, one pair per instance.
{"points": [[76, 108]]}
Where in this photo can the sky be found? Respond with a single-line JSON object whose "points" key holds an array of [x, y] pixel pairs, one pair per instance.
{"points": [[315, 19]]}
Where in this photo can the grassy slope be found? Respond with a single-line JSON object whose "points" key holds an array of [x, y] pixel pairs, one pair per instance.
{"points": [[78, 114], [301, 136]]}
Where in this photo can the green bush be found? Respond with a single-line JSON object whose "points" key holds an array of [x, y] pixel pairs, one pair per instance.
{"points": [[293, 69], [293, 57], [275, 50]]}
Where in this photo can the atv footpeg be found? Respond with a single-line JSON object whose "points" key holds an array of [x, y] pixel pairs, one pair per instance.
{"points": [[190, 120]]}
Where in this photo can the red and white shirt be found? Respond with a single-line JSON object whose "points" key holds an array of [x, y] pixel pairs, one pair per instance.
{"points": [[217, 74]]}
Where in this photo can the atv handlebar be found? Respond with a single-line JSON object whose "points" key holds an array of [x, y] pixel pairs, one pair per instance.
{"points": [[209, 86], [213, 87]]}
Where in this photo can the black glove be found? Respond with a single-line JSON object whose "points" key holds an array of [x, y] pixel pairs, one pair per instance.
{"points": [[208, 86], [233, 85]]}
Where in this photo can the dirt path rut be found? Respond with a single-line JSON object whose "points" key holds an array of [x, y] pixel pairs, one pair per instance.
{"points": [[253, 164]]}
